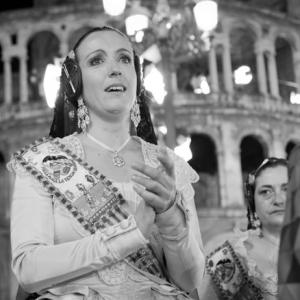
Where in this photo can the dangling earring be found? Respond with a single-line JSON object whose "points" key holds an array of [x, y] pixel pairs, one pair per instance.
{"points": [[83, 115], [257, 225], [135, 115]]}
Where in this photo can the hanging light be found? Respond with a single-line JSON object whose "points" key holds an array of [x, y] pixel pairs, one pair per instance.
{"points": [[206, 15], [137, 19], [295, 98], [114, 7], [242, 75]]}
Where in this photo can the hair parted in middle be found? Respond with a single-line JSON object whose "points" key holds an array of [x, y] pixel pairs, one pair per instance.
{"points": [[71, 90], [250, 184]]}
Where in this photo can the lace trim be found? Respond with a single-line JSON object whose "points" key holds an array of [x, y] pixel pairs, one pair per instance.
{"points": [[266, 280], [183, 172]]}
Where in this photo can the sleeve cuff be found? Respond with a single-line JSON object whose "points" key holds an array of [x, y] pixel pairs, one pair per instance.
{"points": [[173, 223], [123, 238]]}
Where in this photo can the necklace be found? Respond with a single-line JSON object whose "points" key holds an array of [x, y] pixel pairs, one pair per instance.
{"points": [[117, 160]]}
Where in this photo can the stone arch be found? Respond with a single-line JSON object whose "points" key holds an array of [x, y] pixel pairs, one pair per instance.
{"points": [[287, 34], [205, 163], [42, 48], [254, 27], [242, 48]]}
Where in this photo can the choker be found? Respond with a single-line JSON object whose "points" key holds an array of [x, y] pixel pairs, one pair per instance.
{"points": [[117, 160]]}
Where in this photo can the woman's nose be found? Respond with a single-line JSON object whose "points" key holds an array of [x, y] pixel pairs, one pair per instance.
{"points": [[280, 197], [114, 73]]}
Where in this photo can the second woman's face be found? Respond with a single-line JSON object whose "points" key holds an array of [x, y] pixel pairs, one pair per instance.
{"points": [[108, 74], [270, 195]]}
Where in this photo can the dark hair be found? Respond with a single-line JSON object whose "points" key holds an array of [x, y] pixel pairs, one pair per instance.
{"points": [[65, 116], [250, 183]]}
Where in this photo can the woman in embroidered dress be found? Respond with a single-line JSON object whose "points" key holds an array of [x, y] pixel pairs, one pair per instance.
{"points": [[104, 214], [245, 267]]}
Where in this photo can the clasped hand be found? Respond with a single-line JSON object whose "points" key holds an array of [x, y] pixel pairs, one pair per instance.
{"points": [[156, 185]]}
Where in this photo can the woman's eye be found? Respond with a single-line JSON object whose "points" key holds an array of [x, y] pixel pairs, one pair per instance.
{"points": [[96, 60], [125, 58], [265, 193]]}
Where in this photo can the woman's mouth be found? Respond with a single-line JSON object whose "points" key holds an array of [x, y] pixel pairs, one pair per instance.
{"points": [[115, 89]]}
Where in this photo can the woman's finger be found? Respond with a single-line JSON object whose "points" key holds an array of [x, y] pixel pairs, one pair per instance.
{"points": [[157, 174], [151, 199], [150, 185], [166, 162]]}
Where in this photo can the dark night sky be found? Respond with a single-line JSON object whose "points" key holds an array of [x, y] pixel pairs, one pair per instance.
{"points": [[15, 4]]}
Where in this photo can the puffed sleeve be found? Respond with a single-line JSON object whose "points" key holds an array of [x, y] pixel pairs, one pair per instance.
{"points": [[180, 231], [38, 262]]}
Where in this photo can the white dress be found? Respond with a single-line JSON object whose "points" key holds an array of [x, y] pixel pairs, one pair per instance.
{"points": [[54, 256]]}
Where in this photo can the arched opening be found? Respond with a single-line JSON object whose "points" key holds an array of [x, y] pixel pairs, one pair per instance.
{"points": [[15, 69], [204, 162], [243, 60], [42, 49], [76, 35], [253, 152], [285, 69], [289, 147]]}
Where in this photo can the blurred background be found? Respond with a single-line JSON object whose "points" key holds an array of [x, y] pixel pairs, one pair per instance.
{"points": [[225, 75]]}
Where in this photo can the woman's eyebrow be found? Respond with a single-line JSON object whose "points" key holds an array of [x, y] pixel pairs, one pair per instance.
{"points": [[124, 49], [265, 186], [95, 51]]}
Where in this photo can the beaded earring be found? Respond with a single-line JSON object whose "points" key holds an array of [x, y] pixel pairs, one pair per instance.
{"points": [[83, 115], [257, 225], [135, 114]]}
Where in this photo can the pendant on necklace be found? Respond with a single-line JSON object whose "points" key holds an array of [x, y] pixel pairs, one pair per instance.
{"points": [[118, 160]]}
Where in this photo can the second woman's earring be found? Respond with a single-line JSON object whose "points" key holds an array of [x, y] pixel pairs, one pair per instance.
{"points": [[83, 115], [257, 225], [135, 114]]}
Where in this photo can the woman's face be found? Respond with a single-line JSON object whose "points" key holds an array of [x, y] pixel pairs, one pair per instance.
{"points": [[108, 74], [270, 195]]}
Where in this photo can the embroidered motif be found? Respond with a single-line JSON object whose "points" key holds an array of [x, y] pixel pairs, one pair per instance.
{"points": [[89, 198], [143, 260], [90, 179], [70, 195], [230, 279], [58, 168]]}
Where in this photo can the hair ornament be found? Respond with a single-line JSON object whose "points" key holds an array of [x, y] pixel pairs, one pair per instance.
{"points": [[251, 179], [71, 54]]}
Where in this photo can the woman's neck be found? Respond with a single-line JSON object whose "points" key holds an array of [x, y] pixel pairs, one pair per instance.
{"points": [[272, 234], [113, 134]]}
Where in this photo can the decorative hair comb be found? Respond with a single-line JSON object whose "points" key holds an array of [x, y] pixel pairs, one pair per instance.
{"points": [[71, 54], [68, 77]]}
